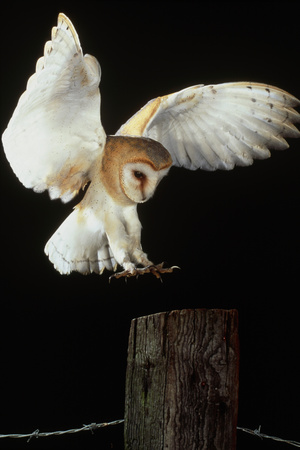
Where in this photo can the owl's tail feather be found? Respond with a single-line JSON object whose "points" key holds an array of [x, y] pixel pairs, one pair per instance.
{"points": [[80, 244]]}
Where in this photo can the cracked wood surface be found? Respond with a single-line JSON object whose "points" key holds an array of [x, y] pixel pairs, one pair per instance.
{"points": [[182, 381]]}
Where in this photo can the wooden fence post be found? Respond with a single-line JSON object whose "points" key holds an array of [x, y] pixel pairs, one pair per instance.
{"points": [[182, 381]]}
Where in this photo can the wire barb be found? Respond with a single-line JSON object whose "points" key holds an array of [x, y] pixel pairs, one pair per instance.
{"points": [[92, 427], [34, 434]]}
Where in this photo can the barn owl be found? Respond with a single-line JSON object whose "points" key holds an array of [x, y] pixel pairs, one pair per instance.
{"points": [[55, 141]]}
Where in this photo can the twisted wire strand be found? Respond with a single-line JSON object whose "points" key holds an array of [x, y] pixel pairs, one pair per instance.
{"points": [[257, 433], [37, 433], [95, 426]]}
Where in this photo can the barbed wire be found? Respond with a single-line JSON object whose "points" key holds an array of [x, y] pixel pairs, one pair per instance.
{"points": [[37, 433], [94, 426], [262, 436]]}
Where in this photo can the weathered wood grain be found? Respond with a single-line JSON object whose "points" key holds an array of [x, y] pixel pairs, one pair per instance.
{"points": [[182, 381]]}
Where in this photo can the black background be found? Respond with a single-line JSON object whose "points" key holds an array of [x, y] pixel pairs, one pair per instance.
{"points": [[234, 234]]}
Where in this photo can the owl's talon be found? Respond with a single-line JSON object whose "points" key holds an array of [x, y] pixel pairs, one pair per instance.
{"points": [[156, 270]]}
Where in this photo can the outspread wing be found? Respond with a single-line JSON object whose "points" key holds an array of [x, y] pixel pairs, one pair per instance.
{"points": [[55, 133], [218, 126]]}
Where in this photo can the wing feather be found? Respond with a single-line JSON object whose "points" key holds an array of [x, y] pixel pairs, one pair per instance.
{"points": [[55, 133], [80, 244], [219, 126]]}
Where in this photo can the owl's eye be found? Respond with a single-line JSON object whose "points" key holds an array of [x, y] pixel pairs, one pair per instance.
{"points": [[139, 175]]}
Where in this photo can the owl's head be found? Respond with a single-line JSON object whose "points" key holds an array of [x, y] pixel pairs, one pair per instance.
{"points": [[139, 179], [132, 167]]}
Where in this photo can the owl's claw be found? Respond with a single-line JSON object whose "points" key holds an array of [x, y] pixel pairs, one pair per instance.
{"points": [[156, 270]]}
